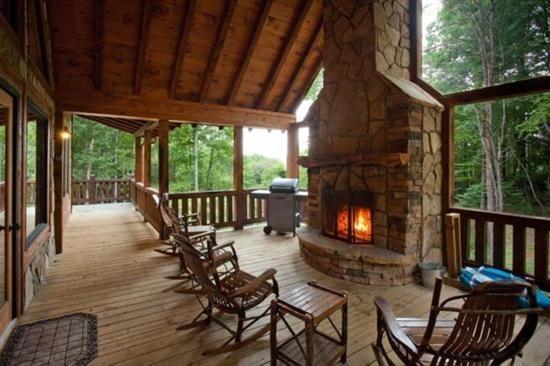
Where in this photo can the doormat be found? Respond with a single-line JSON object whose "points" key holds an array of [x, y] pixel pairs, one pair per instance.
{"points": [[67, 340]]}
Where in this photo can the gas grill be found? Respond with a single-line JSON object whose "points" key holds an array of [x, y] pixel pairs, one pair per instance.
{"points": [[282, 205]]}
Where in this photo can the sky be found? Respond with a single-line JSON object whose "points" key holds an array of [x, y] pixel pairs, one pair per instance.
{"points": [[273, 144]]}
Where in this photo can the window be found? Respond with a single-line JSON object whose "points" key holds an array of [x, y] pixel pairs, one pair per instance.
{"points": [[36, 173], [472, 44]]}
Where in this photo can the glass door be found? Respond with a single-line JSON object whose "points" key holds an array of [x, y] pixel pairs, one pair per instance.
{"points": [[6, 209]]}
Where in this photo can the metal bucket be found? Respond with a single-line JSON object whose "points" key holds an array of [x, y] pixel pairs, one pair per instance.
{"points": [[430, 271]]}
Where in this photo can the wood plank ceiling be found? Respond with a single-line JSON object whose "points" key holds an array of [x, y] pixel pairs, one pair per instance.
{"points": [[130, 125], [259, 54]]}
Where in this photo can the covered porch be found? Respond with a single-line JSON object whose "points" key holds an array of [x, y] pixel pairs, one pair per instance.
{"points": [[114, 273]]}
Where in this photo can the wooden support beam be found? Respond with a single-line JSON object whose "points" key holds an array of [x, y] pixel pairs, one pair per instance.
{"points": [[150, 108], [163, 174], [98, 31], [216, 52], [308, 83], [147, 6], [151, 125], [146, 160], [238, 177], [258, 29], [293, 152], [182, 44], [286, 97], [508, 90], [138, 160], [283, 54], [59, 125], [46, 38]]}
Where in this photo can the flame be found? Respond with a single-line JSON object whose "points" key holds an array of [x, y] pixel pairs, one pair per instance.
{"points": [[362, 223]]}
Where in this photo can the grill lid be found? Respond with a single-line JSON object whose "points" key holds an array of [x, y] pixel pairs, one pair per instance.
{"points": [[284, 185]]}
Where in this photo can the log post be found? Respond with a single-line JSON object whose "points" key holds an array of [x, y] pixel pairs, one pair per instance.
{"points": [[163, 156], [238, 176], [163, 173], [452, 235], [292, 170], [146, 160], [138, 170]]}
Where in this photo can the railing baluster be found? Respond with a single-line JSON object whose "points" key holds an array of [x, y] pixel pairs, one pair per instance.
{"points": [[541, 254], [203, 209], [480, 241], [212, 215], [499, 244], [519, 249], [465, 236], [251, 213], [194, 204], [230, 215], [221, 210]]}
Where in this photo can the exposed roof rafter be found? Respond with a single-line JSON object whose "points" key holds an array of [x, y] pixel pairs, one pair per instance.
{"points": [[256, 33], [190, 6], [218, 48], [301, 67], [99, 29], [283, 54], [147, 6]]}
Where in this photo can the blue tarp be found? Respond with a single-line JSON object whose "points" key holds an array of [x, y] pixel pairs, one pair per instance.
{"points": [[471, 277]]}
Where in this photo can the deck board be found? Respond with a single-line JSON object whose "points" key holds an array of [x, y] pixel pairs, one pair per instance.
{"points": [[108, 268]]}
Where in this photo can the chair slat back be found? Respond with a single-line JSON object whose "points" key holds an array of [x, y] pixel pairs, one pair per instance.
{"points": [[485, 326], [205, 275]]}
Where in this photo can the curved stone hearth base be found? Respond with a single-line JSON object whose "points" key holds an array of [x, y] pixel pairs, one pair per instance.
{"points": [[366, 264]]}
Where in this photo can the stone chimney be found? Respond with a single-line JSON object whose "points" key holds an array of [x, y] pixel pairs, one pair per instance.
{"points": [[384, 129]]}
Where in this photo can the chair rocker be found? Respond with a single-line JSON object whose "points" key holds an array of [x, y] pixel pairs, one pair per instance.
{"points": [[481, 334], [231, 292]]}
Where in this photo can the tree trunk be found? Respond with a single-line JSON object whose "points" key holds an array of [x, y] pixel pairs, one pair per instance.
{"points": [[208, 172]]}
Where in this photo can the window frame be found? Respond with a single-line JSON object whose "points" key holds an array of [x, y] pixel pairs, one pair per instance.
{"points": [[41, 231]]}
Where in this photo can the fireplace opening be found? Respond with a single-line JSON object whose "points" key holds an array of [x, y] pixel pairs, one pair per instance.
{"points": [[347, 215]]}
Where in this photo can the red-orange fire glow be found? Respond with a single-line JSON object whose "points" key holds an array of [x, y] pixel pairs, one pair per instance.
{"points": [[362, 223]]}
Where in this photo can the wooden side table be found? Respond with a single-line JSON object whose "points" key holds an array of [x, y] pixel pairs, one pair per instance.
{"points": [[311, 303]]}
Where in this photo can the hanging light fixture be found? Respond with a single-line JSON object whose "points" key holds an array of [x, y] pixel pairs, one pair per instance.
{"points": [[65, 133]]}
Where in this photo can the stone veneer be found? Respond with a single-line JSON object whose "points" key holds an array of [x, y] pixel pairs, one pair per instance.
{"points": [[368, 105]]}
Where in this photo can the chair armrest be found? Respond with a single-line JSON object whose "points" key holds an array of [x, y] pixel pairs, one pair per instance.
{"points": [[393, 328], [200, 235], [255, 283], [224, 245]]}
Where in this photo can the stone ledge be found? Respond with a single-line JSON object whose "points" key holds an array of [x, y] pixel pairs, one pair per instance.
{"points": [[366, 264]]}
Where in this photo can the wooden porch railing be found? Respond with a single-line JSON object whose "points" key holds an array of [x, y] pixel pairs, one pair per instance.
{"points": [[218, 208], [143, 199], [100, 191], [515, 242]]}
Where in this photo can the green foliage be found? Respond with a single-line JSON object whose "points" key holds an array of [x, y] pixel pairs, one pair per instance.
{"points": [[480, 43], [259, 171], [101, 151], [315, 87]]}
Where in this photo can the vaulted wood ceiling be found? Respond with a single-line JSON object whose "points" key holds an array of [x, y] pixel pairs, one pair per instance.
{"points": [[259, 54]]}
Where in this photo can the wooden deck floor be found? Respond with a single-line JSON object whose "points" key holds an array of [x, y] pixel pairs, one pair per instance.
{"points": [[108, 268]]}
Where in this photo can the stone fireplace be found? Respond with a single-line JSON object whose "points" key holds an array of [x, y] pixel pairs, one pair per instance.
{"points": [[372, 131]]}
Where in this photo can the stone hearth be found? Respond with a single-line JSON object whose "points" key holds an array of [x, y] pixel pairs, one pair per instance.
{"points": [[366, 264], [372, 129]]}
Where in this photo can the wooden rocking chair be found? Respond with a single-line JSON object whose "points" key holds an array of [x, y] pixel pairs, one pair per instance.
{"points": [[187, 225], [482, 334], [231, 292]]}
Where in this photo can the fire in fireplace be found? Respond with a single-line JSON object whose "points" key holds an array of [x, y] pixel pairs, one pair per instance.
{"points": [[347, 215]]}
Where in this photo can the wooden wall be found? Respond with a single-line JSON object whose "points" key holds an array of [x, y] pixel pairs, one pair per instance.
{"points": [[25, 74]]}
